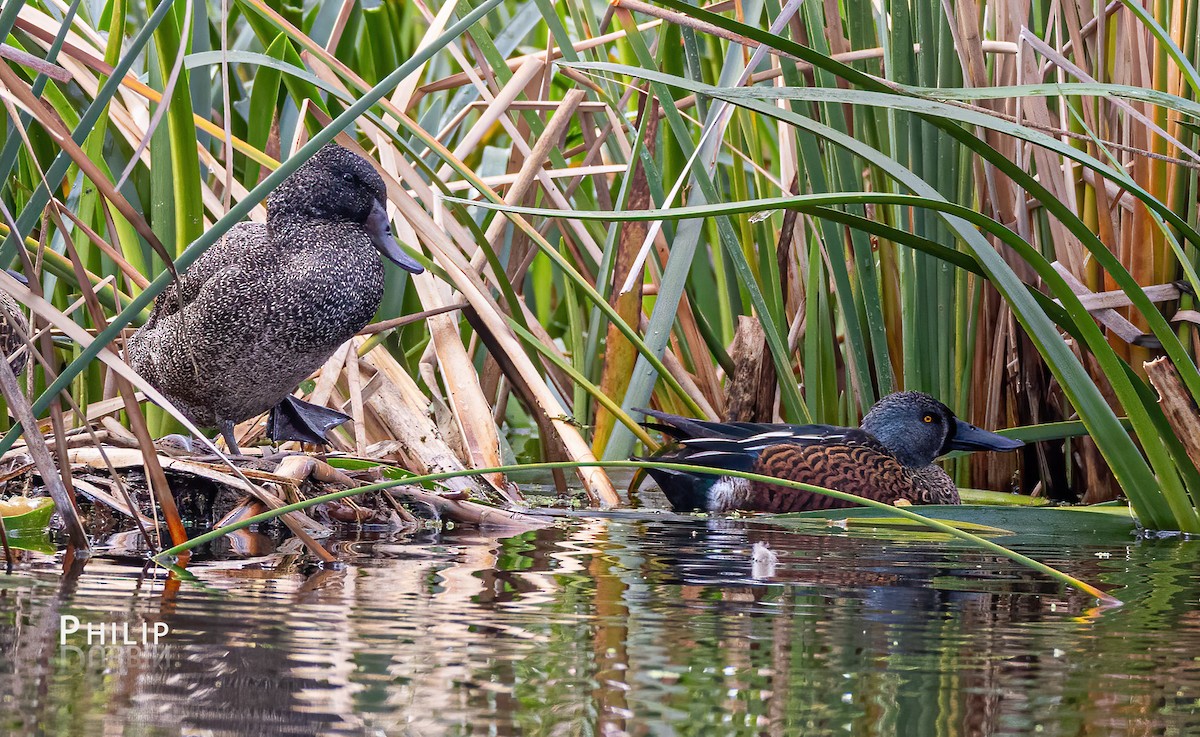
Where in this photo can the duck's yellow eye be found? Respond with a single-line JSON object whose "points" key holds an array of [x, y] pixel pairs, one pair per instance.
{"points": [[928, 418]]}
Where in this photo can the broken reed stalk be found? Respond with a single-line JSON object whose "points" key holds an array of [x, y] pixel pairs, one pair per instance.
{"points": [[137, 421], [464, 510], [1176, 404], [399, 322], [154, 471], [41, 66], [294, 522], [46, 359], [1066, 579], [36, 445]]}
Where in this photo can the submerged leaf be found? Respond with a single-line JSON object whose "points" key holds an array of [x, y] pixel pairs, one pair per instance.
{"points": [[25, 519]]}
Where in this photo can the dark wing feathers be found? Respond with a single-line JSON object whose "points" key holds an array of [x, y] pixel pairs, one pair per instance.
{"points": [[749, 437], [732, 460], [686, 428], [754, 444]]}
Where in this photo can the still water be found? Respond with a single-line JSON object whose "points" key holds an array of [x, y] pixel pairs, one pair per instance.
{"points": [[611, 627]]}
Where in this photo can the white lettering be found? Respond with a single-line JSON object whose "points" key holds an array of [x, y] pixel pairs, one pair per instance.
{"points": [[94, 631], [112, 633], [67, 625]]}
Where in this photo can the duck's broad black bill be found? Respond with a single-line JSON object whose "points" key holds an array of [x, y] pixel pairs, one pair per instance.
{"points": [[968, 437], [380, 231]]}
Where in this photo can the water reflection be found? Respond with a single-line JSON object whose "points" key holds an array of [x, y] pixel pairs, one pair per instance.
{"points": [[608, 627]]}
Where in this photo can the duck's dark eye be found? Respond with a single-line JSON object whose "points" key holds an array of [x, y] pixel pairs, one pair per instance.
{"points": [[928, 418], [348, 178]]}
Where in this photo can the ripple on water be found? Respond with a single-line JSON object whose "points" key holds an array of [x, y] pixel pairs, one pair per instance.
{"points": [[617, 626]]}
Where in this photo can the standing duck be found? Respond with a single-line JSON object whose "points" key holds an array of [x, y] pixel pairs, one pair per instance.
{"points": [[890, 458], [269, 304]]}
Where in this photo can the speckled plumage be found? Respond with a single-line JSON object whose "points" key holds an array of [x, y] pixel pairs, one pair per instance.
{"points": [[14, 329], [267, 305], [889, 459]]}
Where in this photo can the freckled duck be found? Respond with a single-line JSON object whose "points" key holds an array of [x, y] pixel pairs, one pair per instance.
{"points": [[267, 305], [889, 458], [14, 329]]}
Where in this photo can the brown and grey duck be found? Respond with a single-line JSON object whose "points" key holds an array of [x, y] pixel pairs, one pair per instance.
{"points": [[267, 305], [889, 458]]}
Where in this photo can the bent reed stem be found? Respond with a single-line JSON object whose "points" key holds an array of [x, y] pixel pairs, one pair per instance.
{"points": [[1054, 573]]}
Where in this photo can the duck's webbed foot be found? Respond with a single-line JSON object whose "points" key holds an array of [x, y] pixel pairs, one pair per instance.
{"points": [[294, 419]]}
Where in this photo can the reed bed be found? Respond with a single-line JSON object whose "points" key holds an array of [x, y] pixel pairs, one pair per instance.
{"points": [[740, 211]]}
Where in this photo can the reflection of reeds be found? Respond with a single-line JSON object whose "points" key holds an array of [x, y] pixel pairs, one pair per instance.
{"points": [[963, 236], [437, 632]]}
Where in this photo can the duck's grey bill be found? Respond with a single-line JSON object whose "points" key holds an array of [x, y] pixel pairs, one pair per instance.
{"points": [[969, 437], [380, 231]]}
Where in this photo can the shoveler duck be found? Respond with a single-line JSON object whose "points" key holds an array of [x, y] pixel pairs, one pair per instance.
{"points": [[267, 305], [889, 458]]}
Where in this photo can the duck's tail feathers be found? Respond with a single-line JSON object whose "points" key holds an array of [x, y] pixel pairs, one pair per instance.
{"points": [[675, 426], [685, 428], [755, 435]]}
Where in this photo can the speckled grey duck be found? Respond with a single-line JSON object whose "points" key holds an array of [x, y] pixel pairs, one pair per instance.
{"points": [[888, 459], [267, 305], [14, 330]]}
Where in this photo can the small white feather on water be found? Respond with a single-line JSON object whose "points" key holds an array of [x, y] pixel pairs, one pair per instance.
{"points": [[763, 561]]}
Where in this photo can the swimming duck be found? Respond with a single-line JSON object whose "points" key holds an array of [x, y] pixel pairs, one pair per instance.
{"points": [[889, 458], [270, 303]]}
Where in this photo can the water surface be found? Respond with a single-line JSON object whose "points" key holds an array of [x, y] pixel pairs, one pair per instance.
{"points": [[609, 627]]}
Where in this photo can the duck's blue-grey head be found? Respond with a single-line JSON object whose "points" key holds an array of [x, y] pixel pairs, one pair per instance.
{"points": [[338, 186], [917, 428]]}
